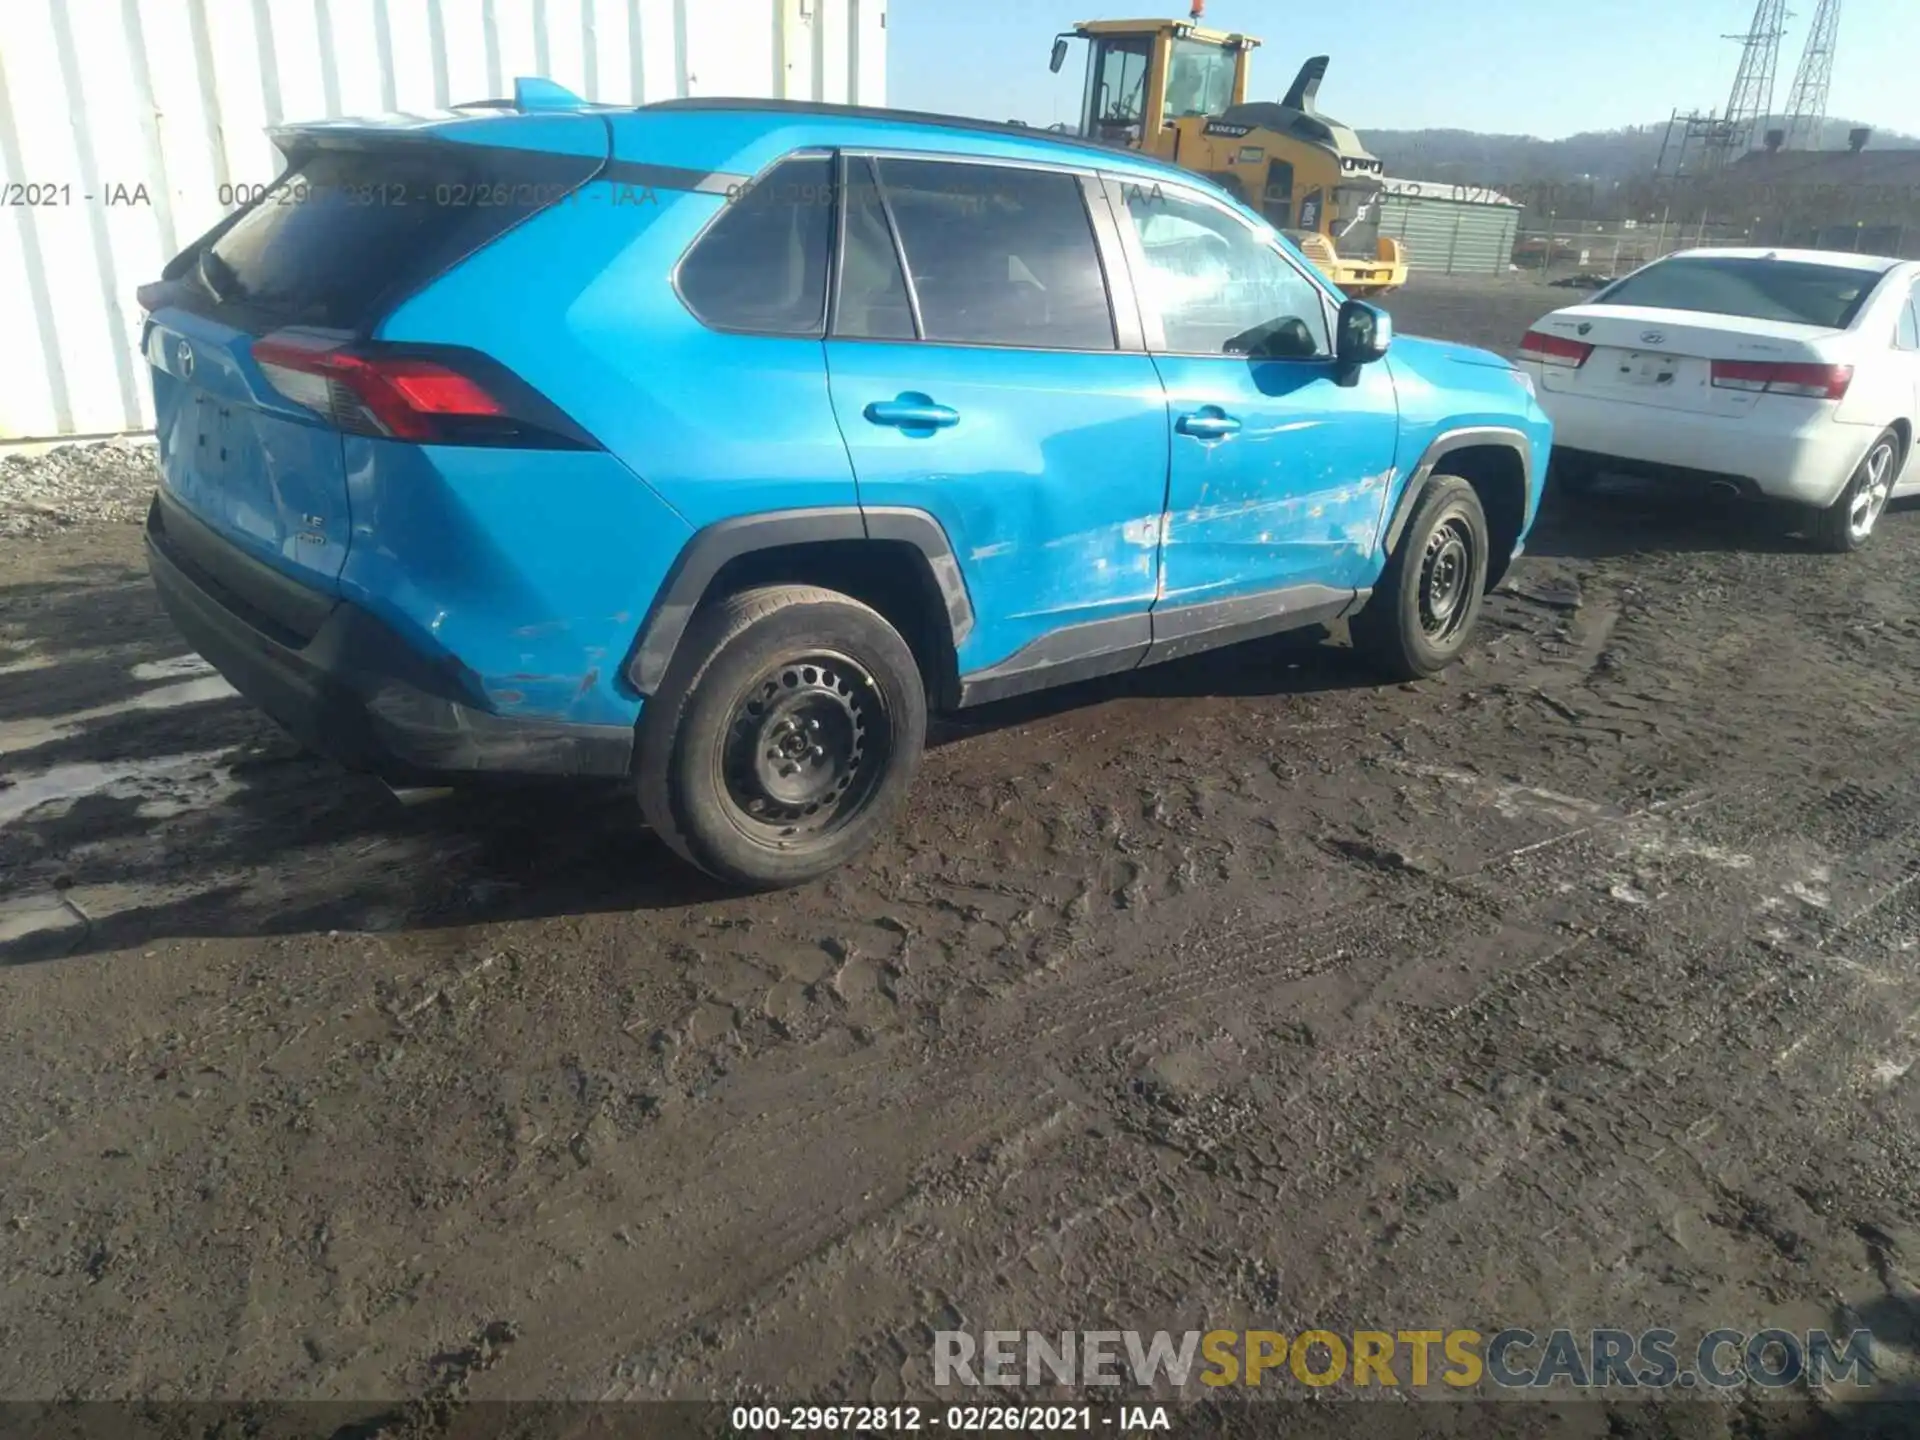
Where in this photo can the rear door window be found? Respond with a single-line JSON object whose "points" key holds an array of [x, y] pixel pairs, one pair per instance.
{"points": [[1909, 336], [761, 266], [345, 233], [999, 255], [1791, 291]]}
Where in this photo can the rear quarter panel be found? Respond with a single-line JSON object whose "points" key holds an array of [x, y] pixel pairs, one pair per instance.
{"points": [[538, 568]]}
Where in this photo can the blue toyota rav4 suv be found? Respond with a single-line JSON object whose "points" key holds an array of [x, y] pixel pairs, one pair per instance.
{"points": [[709, 445]]}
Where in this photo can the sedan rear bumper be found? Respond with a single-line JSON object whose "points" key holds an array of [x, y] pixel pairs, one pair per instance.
{"points": [[1779, 453], [352, 689]]}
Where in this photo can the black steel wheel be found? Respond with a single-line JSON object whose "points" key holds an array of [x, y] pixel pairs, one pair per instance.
{"points": [[786, 735], [1448, 570], [1422, 611], [806, 744]]}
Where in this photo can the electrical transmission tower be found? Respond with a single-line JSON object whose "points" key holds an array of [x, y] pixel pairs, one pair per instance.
{"points": [[1751, 100], [1807, 109]]}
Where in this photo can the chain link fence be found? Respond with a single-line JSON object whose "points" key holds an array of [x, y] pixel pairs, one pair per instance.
{"points": [[1609, 230]]}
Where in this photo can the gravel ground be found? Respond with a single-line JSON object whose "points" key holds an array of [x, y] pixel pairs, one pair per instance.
{"points": [[90, 483], [1577, 987]]}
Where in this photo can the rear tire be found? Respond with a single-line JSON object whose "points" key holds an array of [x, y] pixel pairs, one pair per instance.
{"points": [[785, 738], [1848, 523], [1423, 609]]}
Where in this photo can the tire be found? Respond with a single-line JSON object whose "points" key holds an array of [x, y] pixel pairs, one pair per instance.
{"points": [[1428, 598], [785, 737], [1848, 523]]}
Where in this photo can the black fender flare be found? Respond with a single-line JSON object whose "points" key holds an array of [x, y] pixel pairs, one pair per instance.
{"points": [[713, 547], [1465, 438]]}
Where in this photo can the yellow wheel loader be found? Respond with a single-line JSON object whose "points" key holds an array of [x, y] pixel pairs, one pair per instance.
{"points": [[1178, 91]]}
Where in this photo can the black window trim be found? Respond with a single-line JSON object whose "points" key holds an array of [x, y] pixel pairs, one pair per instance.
{"points": [[1154, 328], [1113, 272], [729, 198], [843, 168]]}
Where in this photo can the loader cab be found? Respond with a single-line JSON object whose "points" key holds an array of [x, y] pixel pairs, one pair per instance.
{"points": [[1143, 75], [1178, 92]]}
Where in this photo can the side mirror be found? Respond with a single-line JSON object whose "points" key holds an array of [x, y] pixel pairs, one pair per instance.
{"points": [[1363, 334], [1059, 54]]}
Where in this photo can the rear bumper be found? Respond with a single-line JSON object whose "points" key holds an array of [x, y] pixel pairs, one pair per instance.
{"points": [[1806, 459], [344, 684]]}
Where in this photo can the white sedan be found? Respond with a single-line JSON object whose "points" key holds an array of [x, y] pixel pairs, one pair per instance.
{"points": [[1789, 375]]}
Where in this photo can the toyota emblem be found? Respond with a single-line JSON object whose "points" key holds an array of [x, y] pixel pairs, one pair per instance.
{"points": [[1653, 337], [185, 354]]}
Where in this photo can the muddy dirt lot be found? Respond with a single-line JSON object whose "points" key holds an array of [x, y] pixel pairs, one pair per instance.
{"points": [[1580, 987]]}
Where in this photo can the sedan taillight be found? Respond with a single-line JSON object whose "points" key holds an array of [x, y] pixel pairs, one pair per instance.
{"points": [[1813, 382], [1555, 350]]}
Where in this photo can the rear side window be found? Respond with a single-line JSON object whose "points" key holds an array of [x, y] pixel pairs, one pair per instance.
{"points": [[999, 255], [762, 265], [1909, 337], [345, 233], [1791, 291]]}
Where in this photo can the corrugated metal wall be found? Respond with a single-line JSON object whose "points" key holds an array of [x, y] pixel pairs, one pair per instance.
{"points": [[1451, 237], [125, 126]]}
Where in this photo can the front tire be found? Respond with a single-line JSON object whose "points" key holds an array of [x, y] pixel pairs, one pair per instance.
{"points": [[1423, 609], [785, 738], [1848, 523]]}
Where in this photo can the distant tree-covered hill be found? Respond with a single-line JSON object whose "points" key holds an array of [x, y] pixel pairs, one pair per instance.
{"points": [[1465, 157]]}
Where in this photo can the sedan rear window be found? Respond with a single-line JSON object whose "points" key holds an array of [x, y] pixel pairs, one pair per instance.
{"points": [[1791, 291], [344, 232]]}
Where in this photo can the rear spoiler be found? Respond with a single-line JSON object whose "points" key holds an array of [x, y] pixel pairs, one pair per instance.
{"points": [[531, 93]]}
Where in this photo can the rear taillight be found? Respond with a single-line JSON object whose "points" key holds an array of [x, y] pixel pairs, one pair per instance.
{"points": [[1813, 382], [1555, 350], [437, 396]]}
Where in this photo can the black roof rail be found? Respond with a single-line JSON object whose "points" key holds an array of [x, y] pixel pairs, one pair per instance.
{"points": [[827, 110]]}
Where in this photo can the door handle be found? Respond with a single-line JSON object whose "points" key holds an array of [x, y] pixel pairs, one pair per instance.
{"points": [[917, 413], [1211, 423]]}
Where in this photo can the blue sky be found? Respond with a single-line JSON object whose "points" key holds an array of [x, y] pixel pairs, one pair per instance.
{"points": [[1548, 68]]}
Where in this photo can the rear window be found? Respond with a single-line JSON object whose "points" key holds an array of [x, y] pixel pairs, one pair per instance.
{"points": [[761, 266], [345, 233], [1791, 291]]}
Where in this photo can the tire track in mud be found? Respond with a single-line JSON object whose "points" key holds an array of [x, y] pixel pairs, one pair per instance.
{"points": [[1104, 1018], [1535, 1169], [1683, 1030], [1091, 1023], [981, 1057]]}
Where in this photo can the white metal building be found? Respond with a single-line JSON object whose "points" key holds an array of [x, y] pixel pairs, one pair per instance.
{"points": [[1451, 229], [128, 127]]}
